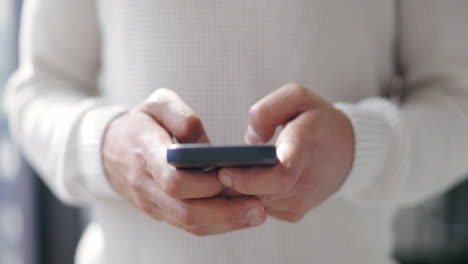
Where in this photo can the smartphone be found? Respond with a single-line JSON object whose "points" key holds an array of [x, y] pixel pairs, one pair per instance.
{"points": [[206, 156]]}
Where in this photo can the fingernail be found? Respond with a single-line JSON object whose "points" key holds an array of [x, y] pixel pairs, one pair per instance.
{"points": [[225, 179], [254, 216], [252, 137]]}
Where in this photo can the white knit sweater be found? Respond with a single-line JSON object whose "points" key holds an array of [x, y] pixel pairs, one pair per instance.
{"points": [[84, 62]]}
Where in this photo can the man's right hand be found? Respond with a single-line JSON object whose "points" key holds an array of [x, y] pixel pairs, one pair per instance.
{"points": [[134, 156]]}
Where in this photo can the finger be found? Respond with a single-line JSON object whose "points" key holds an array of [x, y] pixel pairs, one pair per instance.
{"points": [[257, 181], [144, 194], [181, 183], [289, 216], [188, 184], [217, 229], [199, 216], [169, 110], [202, 229], [277, 109], [152, 135], [292, 202], [151, 209], [214, 211], [292, 156], [210, 229]]}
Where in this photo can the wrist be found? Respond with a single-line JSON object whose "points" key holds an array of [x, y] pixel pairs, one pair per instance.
{"points": [[92, 131], [372, 144]]}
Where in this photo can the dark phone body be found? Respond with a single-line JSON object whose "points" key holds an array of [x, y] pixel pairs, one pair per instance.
{"points": [[209, 156]]}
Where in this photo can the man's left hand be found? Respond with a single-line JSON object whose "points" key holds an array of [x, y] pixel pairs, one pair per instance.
{"points": [[315, 152]]}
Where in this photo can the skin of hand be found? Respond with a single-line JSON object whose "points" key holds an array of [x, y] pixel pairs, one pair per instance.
{"points": [[134, 157], [315, 152]]}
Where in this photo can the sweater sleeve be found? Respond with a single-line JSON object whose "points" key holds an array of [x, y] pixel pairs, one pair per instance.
{"points": [[406, 152], [53, 104]]}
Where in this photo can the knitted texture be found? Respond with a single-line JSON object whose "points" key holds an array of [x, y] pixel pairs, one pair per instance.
{"points": [[84, 62]]}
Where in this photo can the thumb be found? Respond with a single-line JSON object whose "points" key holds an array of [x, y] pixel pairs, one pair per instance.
{"points": [[276, 109], [171, 112]]}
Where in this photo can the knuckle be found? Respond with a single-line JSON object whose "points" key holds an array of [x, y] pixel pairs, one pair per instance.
{"points": [[159, 95], [234, 215], [286, 182], [318, 116], [136, 182], [144, 206], [157, 100], [298, 206], [153, 107], [140, 157], [297, 89], [186, 216], [232, 219], [171, 185], [301, 94], [257, 113]]}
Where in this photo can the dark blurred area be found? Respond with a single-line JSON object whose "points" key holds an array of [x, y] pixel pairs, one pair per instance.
{"points": [[35, 228], [435, 231]]}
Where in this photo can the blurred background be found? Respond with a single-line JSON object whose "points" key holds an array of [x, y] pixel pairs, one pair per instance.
{"points": [[35, 228]]}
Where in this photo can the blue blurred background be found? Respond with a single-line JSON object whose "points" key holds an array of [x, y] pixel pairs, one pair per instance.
{"points": [[35, 228]]}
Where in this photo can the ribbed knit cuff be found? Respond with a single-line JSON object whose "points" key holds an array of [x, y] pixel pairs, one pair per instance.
{"points": [[91, 135], [375, 124]]}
